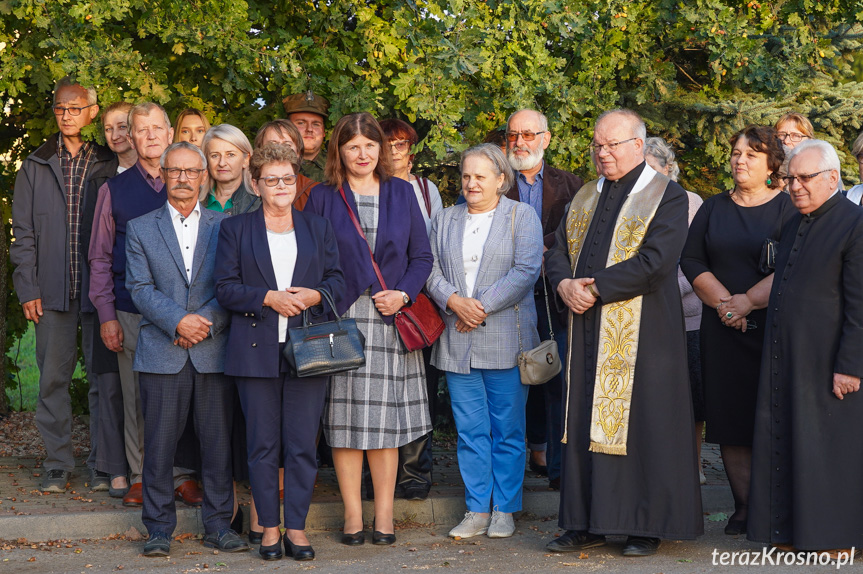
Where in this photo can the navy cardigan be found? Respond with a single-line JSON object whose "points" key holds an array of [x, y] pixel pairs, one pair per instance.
{"points": [[402, 248]]}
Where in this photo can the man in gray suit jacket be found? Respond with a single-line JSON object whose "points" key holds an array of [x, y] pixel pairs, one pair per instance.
{"points": [[170, 255]]}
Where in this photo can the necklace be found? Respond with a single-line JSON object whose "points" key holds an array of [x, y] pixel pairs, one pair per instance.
{"points": [[283, 229]]}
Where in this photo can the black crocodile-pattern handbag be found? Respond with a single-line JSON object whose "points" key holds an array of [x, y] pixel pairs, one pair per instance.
{"points": [[320, 349]]}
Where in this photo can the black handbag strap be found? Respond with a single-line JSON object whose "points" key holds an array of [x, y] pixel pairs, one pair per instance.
{"points": [[329, 299], [424, 189]]}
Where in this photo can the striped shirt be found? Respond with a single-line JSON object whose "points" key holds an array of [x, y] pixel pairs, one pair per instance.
{"points": [[74, 175]]}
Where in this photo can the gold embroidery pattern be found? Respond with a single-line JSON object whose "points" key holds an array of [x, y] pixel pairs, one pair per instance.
{"points": [[628, 238], [618, 339], [576, 227]]}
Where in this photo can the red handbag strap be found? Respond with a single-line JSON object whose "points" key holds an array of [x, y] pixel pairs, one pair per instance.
{"points": [[424, 189], [359, 228]]}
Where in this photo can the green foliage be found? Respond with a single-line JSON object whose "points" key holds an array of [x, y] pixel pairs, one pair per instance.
{"points": [[697, 70]]}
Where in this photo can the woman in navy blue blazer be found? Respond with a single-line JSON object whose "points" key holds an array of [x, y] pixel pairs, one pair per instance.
{"points": [[269, 264], [383, 405]]}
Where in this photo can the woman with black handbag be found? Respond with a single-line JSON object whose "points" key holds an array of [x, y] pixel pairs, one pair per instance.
{"points": [[386, 258], [271, 265]]}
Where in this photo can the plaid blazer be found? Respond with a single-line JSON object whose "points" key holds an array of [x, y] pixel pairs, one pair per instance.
{"points": [[509, 268]]}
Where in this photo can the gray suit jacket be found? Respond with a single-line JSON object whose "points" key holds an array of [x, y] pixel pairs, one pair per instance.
{"points": [[156, 279], [507, 273]]}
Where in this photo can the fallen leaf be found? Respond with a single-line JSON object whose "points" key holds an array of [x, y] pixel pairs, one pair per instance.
{"points": [[718, 517], [133, 534], [583, 556]]}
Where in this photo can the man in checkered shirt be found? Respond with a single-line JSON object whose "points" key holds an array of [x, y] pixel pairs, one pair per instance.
{"points": [[50, 265]]}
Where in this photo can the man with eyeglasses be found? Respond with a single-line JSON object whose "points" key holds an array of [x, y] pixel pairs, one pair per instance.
{"points": [[138, 190], [548, 190], [308, 111], [807, 455], [629, 458], [51, 268], [171, 254]]}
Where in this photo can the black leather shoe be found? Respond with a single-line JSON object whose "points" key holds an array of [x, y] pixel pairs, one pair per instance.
{"points": [[299, 553], [554, 483], [225, 540], [157, 545], [641, 546], [575, 541], [255, 537], [355, 539], [383, 539], [539, 469], [273, 552], [735, 527]]}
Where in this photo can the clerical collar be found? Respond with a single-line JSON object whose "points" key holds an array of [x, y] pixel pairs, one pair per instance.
{"points": [[630, 177], [827, 205]]}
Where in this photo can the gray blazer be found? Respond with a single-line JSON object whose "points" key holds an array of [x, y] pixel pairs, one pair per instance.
{"points": [[507, 273], [156, 279]]}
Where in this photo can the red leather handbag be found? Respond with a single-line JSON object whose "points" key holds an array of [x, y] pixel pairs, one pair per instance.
{"points": [[418, 324]]}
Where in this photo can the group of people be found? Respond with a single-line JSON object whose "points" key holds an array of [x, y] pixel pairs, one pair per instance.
{"points": [[187, 255]]}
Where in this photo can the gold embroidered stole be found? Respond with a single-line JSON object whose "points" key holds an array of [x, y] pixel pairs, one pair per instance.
{"points": [[620, 322]]}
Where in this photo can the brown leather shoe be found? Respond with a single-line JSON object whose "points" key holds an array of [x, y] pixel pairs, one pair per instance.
{"points": [[189, 493], [135, 496]]}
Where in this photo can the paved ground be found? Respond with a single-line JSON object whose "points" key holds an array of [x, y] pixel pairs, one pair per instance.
{"points": [[417, 548]]}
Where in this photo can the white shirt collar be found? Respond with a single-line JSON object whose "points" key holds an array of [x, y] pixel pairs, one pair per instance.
{"points": [[647, 174], [175, 214]]}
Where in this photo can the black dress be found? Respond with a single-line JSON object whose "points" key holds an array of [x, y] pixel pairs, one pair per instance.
{"points": [[727, 240]]}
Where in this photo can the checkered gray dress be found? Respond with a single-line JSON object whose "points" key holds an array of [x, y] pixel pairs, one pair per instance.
{"points": [[383, 404]]}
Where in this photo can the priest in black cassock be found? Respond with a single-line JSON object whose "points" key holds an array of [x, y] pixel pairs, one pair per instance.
{"points": [[629, 458], [807, 455]]}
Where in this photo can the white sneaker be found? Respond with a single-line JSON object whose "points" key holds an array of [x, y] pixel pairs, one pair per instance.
{"points": [[473, 524], [502, 525]]}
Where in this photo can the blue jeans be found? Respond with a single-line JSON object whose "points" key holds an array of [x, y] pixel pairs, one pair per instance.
{"points": [[488, 406]]}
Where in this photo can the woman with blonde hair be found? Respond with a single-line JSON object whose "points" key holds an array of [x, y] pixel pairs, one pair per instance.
{"points": [[228, 150], [190, 126]]}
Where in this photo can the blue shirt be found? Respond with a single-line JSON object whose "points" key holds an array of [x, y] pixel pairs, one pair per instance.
{"points": [[531, 193]]}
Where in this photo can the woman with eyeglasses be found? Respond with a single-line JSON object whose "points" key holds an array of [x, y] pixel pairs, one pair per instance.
{"points": [[792, 128], [855, 194], [270, 264], [415, 458], [728, 259]]}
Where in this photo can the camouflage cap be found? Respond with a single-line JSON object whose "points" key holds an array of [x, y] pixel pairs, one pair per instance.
{"points": [[306, 102]]}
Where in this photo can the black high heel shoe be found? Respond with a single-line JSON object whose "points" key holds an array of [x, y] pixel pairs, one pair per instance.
{"points": [[355, 539], [272, 552], [382, 539], [255, 537], [298, 553]]}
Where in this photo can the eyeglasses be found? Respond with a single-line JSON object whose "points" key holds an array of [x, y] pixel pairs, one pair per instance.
{"points": [[400, 145], [789, 179], [611, 147], [176, 172], [273, 181], [526, 136], [796, 138], [60, 110]]}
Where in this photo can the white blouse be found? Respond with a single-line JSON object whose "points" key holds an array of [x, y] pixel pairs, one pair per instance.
{"points": [[283, 254], [476, 230]]}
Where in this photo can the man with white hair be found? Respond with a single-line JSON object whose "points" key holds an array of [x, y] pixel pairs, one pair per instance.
{"points": [[807, 456], [629, 464], [548, 190], [138, 190]]}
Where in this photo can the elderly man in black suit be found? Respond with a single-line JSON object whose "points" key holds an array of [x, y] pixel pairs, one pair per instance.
{"points": [[548, 190]]}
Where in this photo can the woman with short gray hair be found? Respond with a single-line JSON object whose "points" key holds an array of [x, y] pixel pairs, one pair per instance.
{"points": [[487, 257], [855, 194], [659, 155]]}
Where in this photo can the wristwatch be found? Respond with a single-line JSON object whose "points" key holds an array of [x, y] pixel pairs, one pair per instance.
{"points": [[405, 298]]}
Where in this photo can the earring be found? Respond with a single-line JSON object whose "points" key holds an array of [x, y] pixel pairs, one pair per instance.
{"points": [[769, 181]]}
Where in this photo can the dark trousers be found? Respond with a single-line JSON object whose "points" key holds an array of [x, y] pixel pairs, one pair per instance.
{"points": [[415, 458], [167, 401], [283, 415], [544, 409]]}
